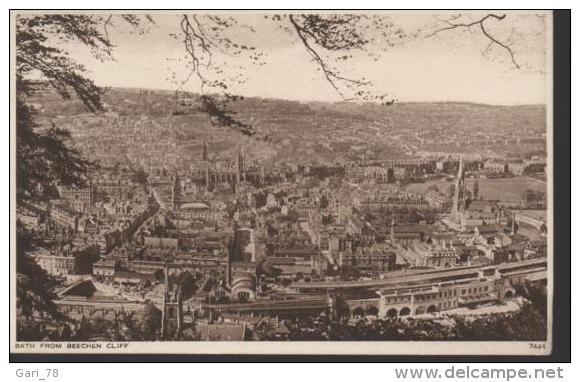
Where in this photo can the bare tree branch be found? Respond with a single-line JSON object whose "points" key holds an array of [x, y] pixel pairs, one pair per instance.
{"points": [[481, 23], [199, 45], [105, 28], [331, 75]]}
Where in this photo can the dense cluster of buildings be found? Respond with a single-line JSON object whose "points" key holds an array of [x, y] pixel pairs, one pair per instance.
{"points": [[228, 236], [79, 225]]}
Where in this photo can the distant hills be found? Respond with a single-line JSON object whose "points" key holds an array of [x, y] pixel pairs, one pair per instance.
{"points": [[323, 132]]}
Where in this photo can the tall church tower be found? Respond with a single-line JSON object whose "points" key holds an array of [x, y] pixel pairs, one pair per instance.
{"points": [[172, 310], [204, 156], [207, 178], [176, 192], [207, 168], [458, 199], [476, 188], [239, 165], [164, 317]]}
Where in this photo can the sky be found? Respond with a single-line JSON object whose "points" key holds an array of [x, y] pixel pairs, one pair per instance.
{"points": [[449, 66]]}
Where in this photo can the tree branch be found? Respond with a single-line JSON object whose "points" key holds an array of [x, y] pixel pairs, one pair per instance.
{"points": [[315, 56], [331, 75], [105, 25], [481, 24]]}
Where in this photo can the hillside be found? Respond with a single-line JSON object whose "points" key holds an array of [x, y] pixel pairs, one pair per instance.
{"points": [[317, 132]]}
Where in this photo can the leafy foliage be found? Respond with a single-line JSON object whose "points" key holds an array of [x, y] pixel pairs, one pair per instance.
{"points": [[524, 325], [44, 154], [532, 197], [34, 290]]}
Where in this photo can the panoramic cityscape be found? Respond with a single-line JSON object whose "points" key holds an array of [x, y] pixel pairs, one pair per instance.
{"points": [[180, 215]]}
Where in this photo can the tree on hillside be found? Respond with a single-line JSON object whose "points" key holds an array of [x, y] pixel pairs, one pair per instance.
{"points": [[267, 268], [150, 322], [433, 188], [140, 176], [450, 191], [532, 198], [324, 202]]}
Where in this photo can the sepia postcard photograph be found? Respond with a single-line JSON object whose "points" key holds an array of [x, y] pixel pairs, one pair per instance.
{"points": [[281, 182]]}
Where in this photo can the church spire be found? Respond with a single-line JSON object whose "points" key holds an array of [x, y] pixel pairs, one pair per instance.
{"points": [[240, 165], [476, 188], [176, 191], [204, 156], [458, 198]]}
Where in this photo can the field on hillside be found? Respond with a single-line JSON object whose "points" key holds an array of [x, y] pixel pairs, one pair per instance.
{"points": [[504, 189]]}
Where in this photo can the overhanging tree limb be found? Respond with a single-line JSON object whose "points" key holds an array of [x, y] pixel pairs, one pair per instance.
{"points": [[481, 23]]}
